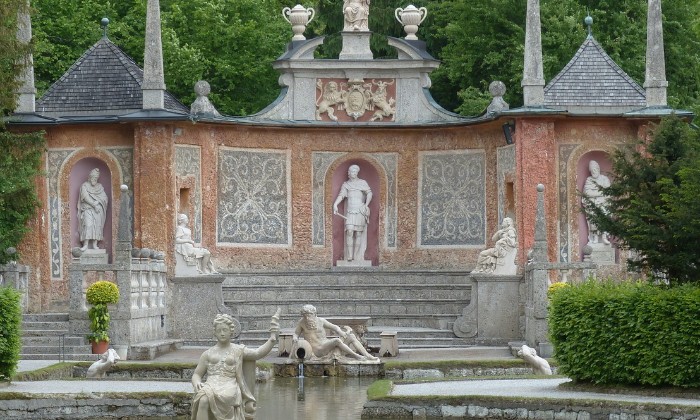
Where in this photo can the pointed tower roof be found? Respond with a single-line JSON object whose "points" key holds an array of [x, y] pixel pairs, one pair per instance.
{"points": [[593, 83], [104, 81]]}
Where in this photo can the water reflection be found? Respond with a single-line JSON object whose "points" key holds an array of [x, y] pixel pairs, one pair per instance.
{"points": [[325, 398]]}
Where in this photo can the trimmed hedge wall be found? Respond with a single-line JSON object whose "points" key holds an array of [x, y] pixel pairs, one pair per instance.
{"points": [[627, 333], [10, 321]]}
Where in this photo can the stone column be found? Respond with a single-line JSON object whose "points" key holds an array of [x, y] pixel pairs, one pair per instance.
{"points": [[655, 81], [153, 86], [26, 92], [533, 75]]}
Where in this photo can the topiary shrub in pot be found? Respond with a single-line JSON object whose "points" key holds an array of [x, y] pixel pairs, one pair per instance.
{"points": [[99, 295]]}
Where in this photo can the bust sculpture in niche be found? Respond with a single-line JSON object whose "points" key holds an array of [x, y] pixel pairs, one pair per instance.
{"points": [[92, 211]]}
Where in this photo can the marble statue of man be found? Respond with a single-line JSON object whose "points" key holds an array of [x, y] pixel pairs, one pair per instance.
{"points": [[358, 196], [356, 13], [592, 190], [92, 211], [313, 329]]}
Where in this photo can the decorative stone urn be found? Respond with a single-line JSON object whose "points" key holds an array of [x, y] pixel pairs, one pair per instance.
{"points": [[299, 17], [410, 18]]}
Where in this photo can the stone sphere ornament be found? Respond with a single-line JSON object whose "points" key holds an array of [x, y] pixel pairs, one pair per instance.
{"points": [[298, 17], [410, 18]]}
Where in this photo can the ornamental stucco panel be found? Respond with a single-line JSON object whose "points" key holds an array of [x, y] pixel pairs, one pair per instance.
{"points": [[565, 151], [452, 199], [505, 158], [55, 160], [188, 163], [320, 161], [253, 198], [389, 162]]}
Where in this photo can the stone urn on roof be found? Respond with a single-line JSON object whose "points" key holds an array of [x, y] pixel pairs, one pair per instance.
{"points": [[410, 18], [298, 17]]}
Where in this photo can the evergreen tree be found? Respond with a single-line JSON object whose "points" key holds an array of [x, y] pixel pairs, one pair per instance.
{"points": [[652, 203]]}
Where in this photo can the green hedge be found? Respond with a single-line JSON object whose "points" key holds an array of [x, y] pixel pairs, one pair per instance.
{"points": [[10, 321], [627, 333]]}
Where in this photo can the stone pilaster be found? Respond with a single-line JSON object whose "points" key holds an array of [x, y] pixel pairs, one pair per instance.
{"points": [[655, 81], [537, 281], [153, 86], [26, 92], [533, 75]]}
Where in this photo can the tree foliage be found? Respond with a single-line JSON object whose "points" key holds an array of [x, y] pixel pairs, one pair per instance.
{"points": [[12, 53], [652, 204], [479, 42], [20, 154], [232, 43], [229, 43]]}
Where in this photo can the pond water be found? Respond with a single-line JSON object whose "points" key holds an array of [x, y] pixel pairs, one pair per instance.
{"points": [[314, 398]]}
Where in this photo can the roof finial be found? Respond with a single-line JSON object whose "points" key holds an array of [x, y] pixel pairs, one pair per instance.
{"points": [[589, 22], [104, 23]]}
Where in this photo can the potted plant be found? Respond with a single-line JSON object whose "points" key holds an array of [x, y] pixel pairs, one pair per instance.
{"points": [[99, 295]]}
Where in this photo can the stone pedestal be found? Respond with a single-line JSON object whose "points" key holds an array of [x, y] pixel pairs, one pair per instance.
{"points": [[285, 344], [93, 256], [354, 263], [602, 254], [356, 46], [195, 303], [389, 344]]}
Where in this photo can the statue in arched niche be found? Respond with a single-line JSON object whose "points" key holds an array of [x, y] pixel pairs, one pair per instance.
{"points": [[92, 211], [592, 190], [358, 195]]}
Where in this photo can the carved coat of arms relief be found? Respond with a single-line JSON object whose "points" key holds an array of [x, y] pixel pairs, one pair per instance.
{"points": [[349, 100]]}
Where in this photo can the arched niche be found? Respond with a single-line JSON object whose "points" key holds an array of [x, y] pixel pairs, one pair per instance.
{"points": [[369, 173], [582, 172], [78, 175]]}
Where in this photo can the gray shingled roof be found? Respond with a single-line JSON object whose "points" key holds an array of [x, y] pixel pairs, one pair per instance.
{"points": [[104, 81], [593, 82]]}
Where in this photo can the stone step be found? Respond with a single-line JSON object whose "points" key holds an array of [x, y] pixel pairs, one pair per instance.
{"points": [[44, 325], [84, 357], [44, 333], [408, 320], [346, 277], [48, 317], [80, 349], [52, 341], [315, 292]]}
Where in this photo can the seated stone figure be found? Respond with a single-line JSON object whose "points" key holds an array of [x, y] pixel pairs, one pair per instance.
{"points": [[103, 364], [539, 365], [189, 259], [501, 258], [313, 330]]}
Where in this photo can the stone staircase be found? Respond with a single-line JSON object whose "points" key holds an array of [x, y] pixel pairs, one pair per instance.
{"points": [[46, 337], [421, 306]]}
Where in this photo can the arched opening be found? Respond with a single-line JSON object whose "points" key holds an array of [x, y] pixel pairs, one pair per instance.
{"points": [[78, 176], [370, 174], [582, 173]]}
